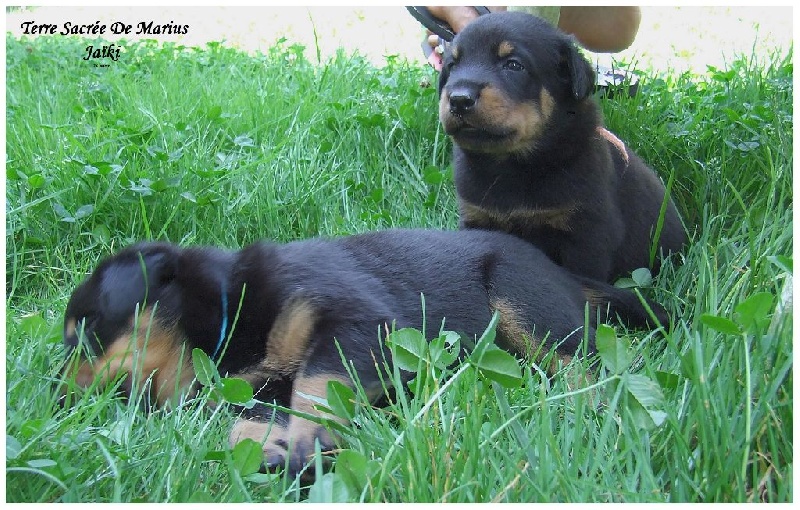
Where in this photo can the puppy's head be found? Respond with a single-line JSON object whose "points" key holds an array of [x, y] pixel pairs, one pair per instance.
{"points": [[505, 77], [126, 319]]}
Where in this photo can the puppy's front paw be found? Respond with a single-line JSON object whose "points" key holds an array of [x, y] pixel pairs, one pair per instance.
{"points": [[288, 440], [293, 440]]}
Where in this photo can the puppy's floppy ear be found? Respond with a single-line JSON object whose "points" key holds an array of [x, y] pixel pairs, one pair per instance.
{"points": [[159, 267], [576, 70], [138, 276]]}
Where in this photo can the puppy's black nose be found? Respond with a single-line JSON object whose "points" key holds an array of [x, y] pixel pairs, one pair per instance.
{"points": [[462, 100]]}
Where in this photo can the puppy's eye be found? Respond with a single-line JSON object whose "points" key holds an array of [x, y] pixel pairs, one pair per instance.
{"points": [[513, 64], [89, 321], [86, 324]]}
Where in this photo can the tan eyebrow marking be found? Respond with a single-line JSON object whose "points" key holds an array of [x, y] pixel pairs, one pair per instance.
{"points": [[505, 49]]}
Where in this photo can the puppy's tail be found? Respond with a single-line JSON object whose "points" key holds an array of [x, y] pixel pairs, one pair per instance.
{"points": [[624, 303]]}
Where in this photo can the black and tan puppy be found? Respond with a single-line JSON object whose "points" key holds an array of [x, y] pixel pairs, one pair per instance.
{"points": [[298, 298], [532, 158]]}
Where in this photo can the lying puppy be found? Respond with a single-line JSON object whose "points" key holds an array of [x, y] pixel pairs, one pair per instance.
{"points": [[532, 158], [298, 297]]}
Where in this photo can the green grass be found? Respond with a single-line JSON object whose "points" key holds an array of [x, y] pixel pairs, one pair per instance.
{"points": [[214, 146]]}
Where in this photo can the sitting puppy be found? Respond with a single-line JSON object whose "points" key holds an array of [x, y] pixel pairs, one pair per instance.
{"points": [[282, 307], [532, 158]]}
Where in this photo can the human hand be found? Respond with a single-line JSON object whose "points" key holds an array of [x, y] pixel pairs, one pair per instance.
{"points": [[457, 17]]}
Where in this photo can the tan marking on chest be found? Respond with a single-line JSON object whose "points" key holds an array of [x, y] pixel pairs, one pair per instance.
{"points": [[558, 218]]}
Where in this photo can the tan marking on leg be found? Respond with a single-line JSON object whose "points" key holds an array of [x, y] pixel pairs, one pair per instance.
{"points": [[288, 338], [300, 431], [316, 386], [519, 339], [455, 52], [505, 49], [256, 377], [518, 219], [599, 303], [148, 348], [269, 434], [513, 329], [296, 437], [595, 297], [250, 429]]}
